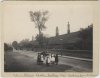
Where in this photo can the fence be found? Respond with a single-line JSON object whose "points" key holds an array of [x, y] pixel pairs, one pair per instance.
{"points": [[74, 53]]}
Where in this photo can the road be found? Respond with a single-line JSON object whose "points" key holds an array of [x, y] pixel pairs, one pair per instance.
{"points": [[25, 61]]}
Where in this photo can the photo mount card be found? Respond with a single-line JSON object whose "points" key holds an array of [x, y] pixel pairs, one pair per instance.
{"points": [[49, 38]]}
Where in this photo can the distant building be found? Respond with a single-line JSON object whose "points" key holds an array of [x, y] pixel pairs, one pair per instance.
{"points": [[65, 41], [70, 40]]}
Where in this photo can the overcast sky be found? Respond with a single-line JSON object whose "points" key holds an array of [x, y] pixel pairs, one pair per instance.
{"points": [[18, 25]]}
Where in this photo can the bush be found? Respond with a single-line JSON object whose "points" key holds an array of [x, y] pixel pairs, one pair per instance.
{"points": [[7, 47]]}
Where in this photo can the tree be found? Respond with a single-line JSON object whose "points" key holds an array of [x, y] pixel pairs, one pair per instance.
{"points": [[43, 40], [39, 38], [86, 36], [39, 18], [15, 44], [25, 44], [7, 47]]}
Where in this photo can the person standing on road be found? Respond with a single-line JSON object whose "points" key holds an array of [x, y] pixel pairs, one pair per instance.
{"points": [[38, 58], [56, 59], [47, 61], [52, 59], [42, 59]]}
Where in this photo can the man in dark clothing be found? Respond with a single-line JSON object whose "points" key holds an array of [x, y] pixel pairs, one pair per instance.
{"points": [[38, 59], [56, 59]]}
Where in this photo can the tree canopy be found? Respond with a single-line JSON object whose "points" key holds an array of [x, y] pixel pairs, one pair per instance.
{"points": [[39, 18]]}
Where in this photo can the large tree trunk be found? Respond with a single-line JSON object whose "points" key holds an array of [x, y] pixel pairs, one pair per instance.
{"points": [[39, 31], [40, 39]]}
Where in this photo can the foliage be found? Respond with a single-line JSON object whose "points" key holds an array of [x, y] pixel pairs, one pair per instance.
{"points": [[25, 44], [15, 44], [86, 36], [39, 18], [7, 47], [43, 40]]}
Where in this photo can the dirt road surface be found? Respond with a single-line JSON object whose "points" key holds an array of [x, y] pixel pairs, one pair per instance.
{"points": [[25, 61]]}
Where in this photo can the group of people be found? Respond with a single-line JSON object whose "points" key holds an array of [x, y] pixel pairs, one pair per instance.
{"points": [[47, 58]]}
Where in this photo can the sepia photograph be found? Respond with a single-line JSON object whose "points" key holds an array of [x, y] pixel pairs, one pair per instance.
{"points": [[48, 37]]}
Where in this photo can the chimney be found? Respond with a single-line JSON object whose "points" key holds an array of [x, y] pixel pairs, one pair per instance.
{"points": [[57, 31], [68, 31]]}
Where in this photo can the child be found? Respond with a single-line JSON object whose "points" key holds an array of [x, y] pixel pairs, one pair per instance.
{"points": [[52, 59], [42, 59], [47, 61]]}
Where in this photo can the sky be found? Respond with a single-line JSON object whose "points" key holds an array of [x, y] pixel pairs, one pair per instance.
{"points": [[17, 24]]}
